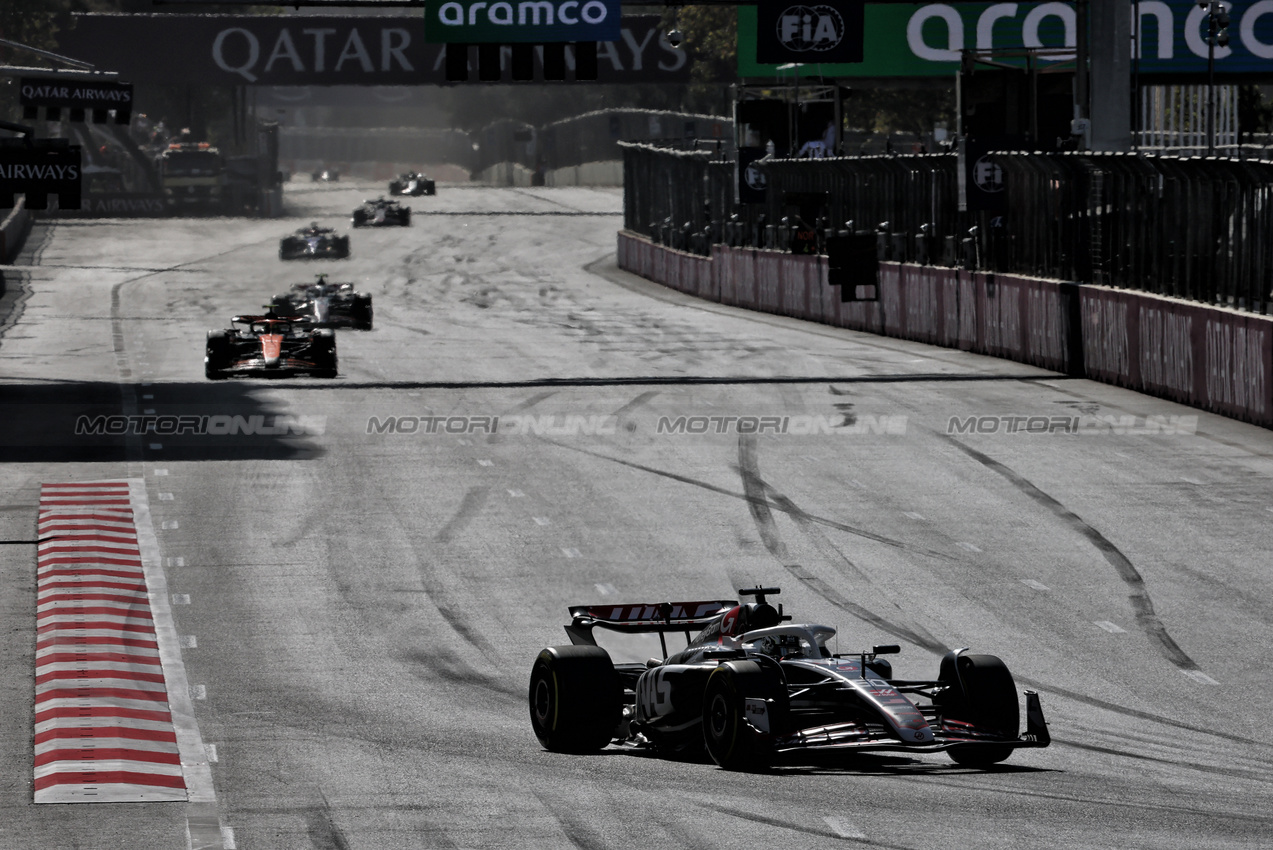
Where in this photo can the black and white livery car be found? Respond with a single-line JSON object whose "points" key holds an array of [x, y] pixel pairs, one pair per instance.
{"points": [[412, 183], [314, 242], [752, 688], [381, 212], [325, 304]]}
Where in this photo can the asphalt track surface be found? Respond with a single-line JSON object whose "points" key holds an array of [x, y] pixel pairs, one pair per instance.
{"points": [[363, 608]]}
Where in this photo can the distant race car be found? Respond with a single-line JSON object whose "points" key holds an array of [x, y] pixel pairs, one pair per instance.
{"points": [[412, 183], [381, 212], [326, 305], [751, 688], [314, 242], [268, 346], [325, 175]]}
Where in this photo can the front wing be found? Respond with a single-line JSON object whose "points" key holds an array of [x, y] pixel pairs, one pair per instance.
{"points": [[874, 737], [285, 366]]}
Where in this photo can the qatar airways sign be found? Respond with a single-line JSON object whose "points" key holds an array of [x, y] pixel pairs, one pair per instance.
{"points": [[330, 50], [522, 21], [926, 39]]}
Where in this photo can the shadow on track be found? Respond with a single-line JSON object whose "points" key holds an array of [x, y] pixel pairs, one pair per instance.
{"points": [[106, 422], [814, 763]]}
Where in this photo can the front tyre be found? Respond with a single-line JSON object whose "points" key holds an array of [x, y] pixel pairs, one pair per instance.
{"points": [[733, 740], [575, 699], [324, 348], [216, 355], [980, 691], [361, 311]]}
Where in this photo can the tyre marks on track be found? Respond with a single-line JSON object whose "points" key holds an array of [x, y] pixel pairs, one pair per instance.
{"points": [[760, 495], [724, 491], [1138, 594], [573, 820], [321, 827], [472, 502]]}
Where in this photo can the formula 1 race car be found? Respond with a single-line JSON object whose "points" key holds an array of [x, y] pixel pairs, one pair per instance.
{"points": [[412, 183], [268, 346], [314, 242], [325, 175], [381, 212], [326, 305], [752, 687]]}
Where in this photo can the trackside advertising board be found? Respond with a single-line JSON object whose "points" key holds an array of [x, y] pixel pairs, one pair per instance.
{"points": [[324, 50], [521, 21], [924, 39], [48, 167]]}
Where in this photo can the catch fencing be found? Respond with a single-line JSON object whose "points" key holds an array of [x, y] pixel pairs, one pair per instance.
{"points": [[1199, 229]]}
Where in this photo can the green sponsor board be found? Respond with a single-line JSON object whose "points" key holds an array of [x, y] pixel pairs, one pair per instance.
{"points": [[924, 40], [521, 21]]}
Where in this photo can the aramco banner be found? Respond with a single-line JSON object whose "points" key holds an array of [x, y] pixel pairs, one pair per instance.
{"points": [[328, 50], [925, 39], [521, 21]]}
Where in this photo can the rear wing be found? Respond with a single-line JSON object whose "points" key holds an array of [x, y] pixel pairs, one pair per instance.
{"points": [[655, 618]]}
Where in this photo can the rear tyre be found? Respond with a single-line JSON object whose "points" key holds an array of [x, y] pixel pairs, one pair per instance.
{"points": [[734, 742], [342, 247], [282, 306], [981, 692], [575, 699], [406, 217]]}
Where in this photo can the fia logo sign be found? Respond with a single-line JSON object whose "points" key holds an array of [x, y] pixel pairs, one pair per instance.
{"points": [[812, 31], [987, 175], [810, 28], [755, 178]]}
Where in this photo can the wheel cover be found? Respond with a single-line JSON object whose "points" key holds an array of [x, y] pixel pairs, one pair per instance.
{"points": [[542, 702], [718, 717]]}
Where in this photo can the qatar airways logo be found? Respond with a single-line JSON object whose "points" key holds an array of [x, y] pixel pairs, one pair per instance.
{"points": [[810, 28]]}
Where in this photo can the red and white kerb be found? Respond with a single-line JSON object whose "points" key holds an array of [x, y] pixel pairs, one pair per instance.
{"points": [[103, 728]]}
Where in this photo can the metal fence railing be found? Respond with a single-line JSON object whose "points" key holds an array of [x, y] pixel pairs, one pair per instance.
{"points": [[595, 137], [1200, 229]]}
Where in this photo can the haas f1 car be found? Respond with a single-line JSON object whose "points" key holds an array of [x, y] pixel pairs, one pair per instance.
{"points": [[270, 346], [314, 242], [752, 688], [412, 183], [326, 305], [381, 213]]}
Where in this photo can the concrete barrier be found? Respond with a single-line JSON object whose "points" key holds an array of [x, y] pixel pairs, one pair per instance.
{"points": [[604, 173], [13, 231], [1208, 357]]}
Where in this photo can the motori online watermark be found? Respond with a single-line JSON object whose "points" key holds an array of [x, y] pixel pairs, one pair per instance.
{"points": [[546, 425], [1083, 424], [552, 425], [215, 425], [800, 424]]}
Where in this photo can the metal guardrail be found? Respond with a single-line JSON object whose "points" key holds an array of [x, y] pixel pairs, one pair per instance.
{"points": [[1193, 228], [594, 137]]}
